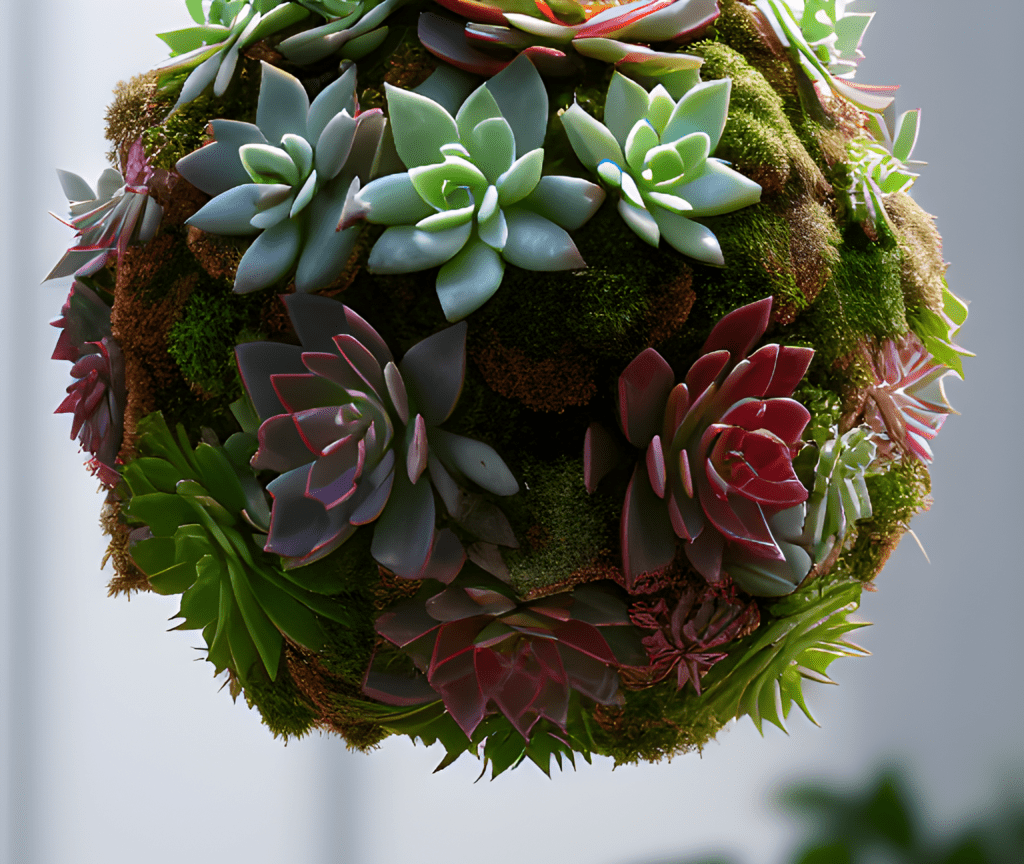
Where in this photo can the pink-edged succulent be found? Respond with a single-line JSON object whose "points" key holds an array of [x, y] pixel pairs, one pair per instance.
{"points": [[354, 437], [688, 639], [482, 651], [907, 405], [96, 397], [717, 470], [555, 35], [107, 220]]}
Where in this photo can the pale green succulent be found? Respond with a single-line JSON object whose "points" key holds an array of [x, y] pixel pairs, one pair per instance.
{"points": [[209, 52], [656, 152], [840, 495], [825, 40], [473, 197], [353, 29], [285, 179], [879, 166]]}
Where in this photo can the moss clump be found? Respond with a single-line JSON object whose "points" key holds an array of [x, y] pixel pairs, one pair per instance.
{"points": [[134, 109], [741, 28], [562, 530], [923, 269], [285, 711]]}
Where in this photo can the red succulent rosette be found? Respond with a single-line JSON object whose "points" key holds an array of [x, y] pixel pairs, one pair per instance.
{"points": [[482, 650], [717, 470]]}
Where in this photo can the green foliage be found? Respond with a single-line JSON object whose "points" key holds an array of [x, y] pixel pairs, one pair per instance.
{"points": [[200, 506], [764, 672], [937, 331], [285, 711]]}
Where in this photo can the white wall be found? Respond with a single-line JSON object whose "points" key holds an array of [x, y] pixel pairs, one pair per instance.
{"points": [[119, 749]]}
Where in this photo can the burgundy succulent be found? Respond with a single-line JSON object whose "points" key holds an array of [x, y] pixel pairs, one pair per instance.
{"points": [[907, 405], [717, 470], [355, 439], [482, 651], [685, 640], [96, 398]]}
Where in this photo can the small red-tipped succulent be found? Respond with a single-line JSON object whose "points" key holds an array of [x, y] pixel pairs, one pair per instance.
{"points": [[717, 470], [355, 439], [688, 639], [482, 651], [96, 398], [907, 405]]}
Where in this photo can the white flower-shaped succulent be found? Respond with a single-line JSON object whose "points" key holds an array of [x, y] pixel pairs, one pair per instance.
{"points": [[285, 179], [656, 152], [474, 196]]}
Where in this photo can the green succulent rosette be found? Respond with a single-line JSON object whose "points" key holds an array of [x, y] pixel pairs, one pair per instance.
{"points": [[551, 381]]}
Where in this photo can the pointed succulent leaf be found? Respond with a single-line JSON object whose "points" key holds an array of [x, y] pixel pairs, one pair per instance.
{"points": [[590, 139], [476, 460], [469, 279], [406, 249], [269, 258], [282, 106], [421, 127], [566, 201], [536, 243], [433, 371]]}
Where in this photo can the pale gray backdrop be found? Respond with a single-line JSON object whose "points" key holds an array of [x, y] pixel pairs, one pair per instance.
{"points": [[118, 746]]}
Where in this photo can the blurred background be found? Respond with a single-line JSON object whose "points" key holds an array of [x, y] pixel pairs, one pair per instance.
{"points": [[117, 744]]}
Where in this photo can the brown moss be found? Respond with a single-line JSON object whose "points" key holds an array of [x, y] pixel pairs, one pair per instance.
{"points": [[132, 112], [813, 252], [409, 66], [141, 324], [313, 681], [128, 578], [549, 384], [670, 307], [218, 256], [923, 268]]}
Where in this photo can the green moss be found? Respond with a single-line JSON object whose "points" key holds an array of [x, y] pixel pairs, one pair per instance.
{"points": [[285, 711], [561, 529], [735, 27]]}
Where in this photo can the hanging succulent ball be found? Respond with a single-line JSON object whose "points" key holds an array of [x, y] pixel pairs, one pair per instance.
{"points": [[551, 382]]}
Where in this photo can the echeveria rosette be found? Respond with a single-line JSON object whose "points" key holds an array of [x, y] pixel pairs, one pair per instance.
{"points": [[840, 494], [198, 508], [656, 152], [820, 58], [208, 53], [718, 465], [284, 179], [555, 36], [483, 651], [689, 639], [353, 29], [474, 197], [355, 439], [97, 396], [907, 405], [107, 220]]}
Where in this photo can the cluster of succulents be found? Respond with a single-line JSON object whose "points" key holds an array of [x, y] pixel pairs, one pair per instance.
{"points": [[576, 365]]}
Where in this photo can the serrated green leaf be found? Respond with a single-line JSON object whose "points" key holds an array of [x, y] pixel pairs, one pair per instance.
{"points": [[154, 554], [291, 617], [136, 478], [245, 653], [219, 477], [200, 603], [218, 649], [323, 606], [191, 38], [191, 544], [161, 512], [504, 750], [155, 439], [261, 629]]}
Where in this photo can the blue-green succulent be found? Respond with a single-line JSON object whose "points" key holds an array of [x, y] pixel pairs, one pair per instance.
{"points": [[284, 179], [474, 196], [353, 29], [656, 152]]}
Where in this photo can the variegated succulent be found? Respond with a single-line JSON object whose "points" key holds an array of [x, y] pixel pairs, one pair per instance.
{"points": [[354, 438], [119, 211], [474, 196], [284, 179], [656, 152], [717, 471], [556, 35], [482, 650]]}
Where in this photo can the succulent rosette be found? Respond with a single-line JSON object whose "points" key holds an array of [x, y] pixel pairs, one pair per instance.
{"points": [[474, 196], [284, 179], [655, 151], [556, 35], [718, 468], [354, 438], [482, 651], [642, 222], [96, 397], [107, 220]]}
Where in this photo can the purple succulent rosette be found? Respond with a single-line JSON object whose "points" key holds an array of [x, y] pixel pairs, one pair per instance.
{"points": [[482, 650], [107, 220], [717, 471], [907, 405], [355, 439], [96, 398]]}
